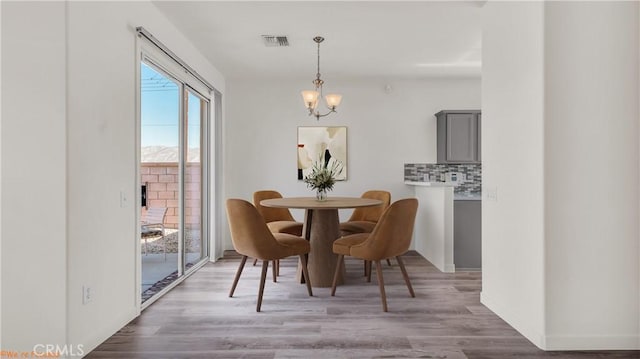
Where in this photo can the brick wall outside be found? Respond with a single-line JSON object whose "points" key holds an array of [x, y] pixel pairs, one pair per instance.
{"points": [[162, 191]]}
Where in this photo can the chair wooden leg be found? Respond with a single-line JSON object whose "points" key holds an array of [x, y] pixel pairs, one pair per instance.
{"points": [[369, 271], [305, 273], [406, 276], [255, 260], [277, 268], [238, 272], [263, 278], [273, 270], [381, 285], [388, 262], [365, 267], [337, 274]]}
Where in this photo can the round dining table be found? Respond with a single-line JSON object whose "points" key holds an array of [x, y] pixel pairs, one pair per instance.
{"points": [[321, 229]]}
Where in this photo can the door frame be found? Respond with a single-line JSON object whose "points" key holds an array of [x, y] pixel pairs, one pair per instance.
{"points": [[147, 50]]}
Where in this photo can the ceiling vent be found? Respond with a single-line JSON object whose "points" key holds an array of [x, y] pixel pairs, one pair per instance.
{"points": [[275, 41]]}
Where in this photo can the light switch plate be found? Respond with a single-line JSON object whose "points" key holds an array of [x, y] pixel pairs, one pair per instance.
{"points": [[491, 193], [124, 200], [87, 294]]}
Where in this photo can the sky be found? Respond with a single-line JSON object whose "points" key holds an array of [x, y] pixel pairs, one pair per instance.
{"points": [[160, 111]]}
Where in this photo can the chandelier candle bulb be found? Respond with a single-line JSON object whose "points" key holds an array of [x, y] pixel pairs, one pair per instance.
{"points": [[310, 99], [333, 100]]}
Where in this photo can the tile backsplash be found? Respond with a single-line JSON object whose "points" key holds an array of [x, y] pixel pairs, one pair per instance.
{"points": [[472, 173]]}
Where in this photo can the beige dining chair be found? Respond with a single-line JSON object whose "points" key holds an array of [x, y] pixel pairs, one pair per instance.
{"points": [[390, 238], [252, 238], [364, 219], [279, 220]]}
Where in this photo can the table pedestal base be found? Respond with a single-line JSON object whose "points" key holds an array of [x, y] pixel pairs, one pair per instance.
{"points": [[322, 228]]}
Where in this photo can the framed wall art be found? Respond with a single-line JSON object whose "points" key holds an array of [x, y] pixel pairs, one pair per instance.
{"points": [[322, 144]]}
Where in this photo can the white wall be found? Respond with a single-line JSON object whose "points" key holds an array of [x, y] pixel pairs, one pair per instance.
{"points": [[512, 161], [591, 182], [561, 146], [101, 161], [33, 142], [385, 130], [69, 95]]}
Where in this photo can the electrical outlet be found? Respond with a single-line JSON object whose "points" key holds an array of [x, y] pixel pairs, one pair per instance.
{"points": [[87, 294]]}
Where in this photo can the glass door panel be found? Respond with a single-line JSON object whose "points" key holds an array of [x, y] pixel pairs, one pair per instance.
{"points": [[195, 246], [159, 176]]}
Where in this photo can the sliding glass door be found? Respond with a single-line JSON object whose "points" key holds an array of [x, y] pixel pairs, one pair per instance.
{"points": [[174, 186]]}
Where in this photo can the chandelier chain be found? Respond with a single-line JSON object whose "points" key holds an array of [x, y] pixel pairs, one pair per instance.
{"points": [[318, 72]]}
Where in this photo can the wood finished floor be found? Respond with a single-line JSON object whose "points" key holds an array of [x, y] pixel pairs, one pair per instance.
{"points": [[446, 320]]}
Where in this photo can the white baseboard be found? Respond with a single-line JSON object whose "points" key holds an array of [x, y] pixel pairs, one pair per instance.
{"points": [[608, 342], [560, 342], [531, 334], [93, 339], [449, 268]]}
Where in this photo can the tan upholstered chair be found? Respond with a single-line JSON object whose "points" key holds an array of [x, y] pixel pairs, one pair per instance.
{"points": [[279, 220], [252, 238], [390, 238], [364, 219]]}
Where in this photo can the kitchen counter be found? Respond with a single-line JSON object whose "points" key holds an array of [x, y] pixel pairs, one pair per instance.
{"points": [[430, 184], [456, 196], [434, 228], [467, 197], [433, 231]]}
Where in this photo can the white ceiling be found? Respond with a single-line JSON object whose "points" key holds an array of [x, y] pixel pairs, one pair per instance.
{"points": [[362, 39]]}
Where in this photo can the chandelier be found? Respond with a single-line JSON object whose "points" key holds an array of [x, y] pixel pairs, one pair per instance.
{"points": [[311, 98]]}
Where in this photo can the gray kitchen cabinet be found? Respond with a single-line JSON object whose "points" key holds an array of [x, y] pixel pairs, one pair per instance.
{"points": [[458, 136], [467, 234]]}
